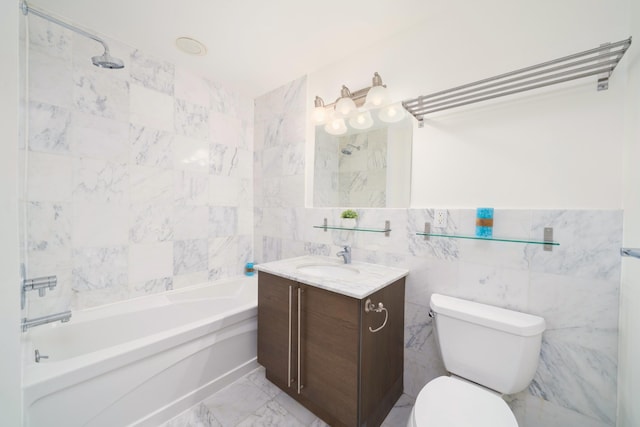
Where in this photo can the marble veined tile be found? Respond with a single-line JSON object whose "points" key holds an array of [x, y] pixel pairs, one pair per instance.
{"points": [[99, 137], [199, 416], [400, 413], [50, 77], [501, 287], [236, 402], [590, 242], [223, 159], [152, 73], [418, 327], [151, 147], [223, 221], [100, 181], [227, 101], [190, 222], [223, 253], [577, 377], [191, 87], [191, 120], [50, 37], [225, 130], [150, 223], [435, 247], [191, 154], [49, 128], [532, 411], [189, 256], [99, 268], [271, 414], [48, 226], [152, 286], [191, 188], [151, 185], [101, 95], [151, 108]]}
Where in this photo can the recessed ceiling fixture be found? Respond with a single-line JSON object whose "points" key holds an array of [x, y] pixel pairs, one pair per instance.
{"points": [[191, 46]]}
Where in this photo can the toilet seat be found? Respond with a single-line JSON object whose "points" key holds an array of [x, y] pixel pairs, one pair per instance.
{"points": [[450, 402]]}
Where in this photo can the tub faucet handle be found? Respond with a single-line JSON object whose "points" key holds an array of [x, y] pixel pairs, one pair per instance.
{"points": [[40, 356]]}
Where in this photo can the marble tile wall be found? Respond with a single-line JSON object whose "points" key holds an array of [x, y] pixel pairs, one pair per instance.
{"points": [[137, 180], [574, 287]]}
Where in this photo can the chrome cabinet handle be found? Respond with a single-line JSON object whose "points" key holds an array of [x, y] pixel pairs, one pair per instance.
{"points": [[289, 380], [299, 335]]}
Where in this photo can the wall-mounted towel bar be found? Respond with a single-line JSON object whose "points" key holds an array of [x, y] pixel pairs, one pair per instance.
{"points": [[600, 61], [631, 252]]}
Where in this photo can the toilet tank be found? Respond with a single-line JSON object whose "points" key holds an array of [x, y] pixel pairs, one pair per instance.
{"points": [[491, 346]]}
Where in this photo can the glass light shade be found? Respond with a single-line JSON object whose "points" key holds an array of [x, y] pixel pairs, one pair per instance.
{"points": [[377, 97], [362, 120], [336, 126], [319, 115], [345, 106], [392, 113]]}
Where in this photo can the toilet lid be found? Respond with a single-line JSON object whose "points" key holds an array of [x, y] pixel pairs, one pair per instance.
{"points": [[449, 402]]}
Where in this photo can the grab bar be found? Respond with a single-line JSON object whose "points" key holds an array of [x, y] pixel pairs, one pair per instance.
{"points": [[630, 252]]}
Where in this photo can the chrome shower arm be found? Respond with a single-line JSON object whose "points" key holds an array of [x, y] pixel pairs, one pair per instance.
{"points": [[26, 9]]}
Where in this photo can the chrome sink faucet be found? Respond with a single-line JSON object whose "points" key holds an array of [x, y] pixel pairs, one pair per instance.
{"points": [[345, 253]]}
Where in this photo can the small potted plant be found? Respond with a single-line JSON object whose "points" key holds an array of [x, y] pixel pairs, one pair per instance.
{"points": [[348, 218]]}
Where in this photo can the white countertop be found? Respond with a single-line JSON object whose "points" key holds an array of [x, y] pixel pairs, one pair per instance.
{"points": [[369, 278]]}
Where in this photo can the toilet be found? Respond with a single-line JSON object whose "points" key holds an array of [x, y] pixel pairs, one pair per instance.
{"points": [[488, 351]]}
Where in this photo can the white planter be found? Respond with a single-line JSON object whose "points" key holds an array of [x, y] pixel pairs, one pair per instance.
{"points": [[348, 222]]}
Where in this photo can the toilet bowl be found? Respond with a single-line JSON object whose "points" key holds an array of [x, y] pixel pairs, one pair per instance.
{"points": [[489, 351], [451, 402]]}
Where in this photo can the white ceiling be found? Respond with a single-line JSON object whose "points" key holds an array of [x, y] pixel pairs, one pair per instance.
{"points": [[253, 45]]}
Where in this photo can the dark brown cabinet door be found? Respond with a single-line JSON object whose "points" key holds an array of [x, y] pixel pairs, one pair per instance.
{"points": [[316, 345], [276, 299], [382, 358], [330, 330]]}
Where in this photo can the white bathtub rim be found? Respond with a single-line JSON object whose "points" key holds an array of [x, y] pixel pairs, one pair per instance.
{"points": [[79, 368], [74, 370], [144, 302], [150, 367]]}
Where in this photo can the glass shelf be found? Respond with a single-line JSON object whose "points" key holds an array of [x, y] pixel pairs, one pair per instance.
{"points": [[494, 239], [386, 230], [337, 227]]}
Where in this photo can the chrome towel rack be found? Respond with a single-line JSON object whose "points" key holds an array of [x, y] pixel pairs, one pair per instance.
{"points": [[600, 61], [630, 252]]}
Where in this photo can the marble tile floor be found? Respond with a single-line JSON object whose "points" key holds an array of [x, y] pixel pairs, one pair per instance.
{"points": [[253, 401]]}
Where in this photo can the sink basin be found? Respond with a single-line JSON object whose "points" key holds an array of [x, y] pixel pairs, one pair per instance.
{"points": [[334, 271]]}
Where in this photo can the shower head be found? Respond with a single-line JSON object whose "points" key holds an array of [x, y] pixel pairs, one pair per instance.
{"points": [[346, 150], [103, 61], [107, 61]]}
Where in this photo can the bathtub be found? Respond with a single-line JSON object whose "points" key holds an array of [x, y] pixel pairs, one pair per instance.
{"points": [[142, 361]]}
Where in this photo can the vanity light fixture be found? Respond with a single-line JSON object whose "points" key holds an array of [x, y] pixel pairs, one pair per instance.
{"points": [[378, 95], [356, 108], [336, 126], [361, 120], [345, 104]]}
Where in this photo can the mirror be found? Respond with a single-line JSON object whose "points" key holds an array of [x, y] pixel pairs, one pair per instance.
{"points": [[364, 168]]}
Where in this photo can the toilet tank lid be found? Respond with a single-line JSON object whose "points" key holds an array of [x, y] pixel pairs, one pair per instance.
{"points": [[514, 322]]}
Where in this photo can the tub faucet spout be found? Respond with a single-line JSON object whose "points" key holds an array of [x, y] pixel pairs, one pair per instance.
{"points": [[345, 253], [64, 317]]}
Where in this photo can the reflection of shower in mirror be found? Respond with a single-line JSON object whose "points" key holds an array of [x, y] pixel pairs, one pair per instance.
{"points": [[346, 150]]}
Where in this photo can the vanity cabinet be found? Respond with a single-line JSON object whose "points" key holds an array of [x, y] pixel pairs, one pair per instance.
{"points": [[317, 346]]}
